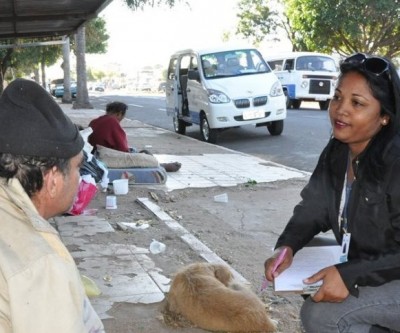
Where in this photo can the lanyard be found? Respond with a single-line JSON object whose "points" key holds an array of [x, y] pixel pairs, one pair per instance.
{"points": [[344, 200], [343, 218]]}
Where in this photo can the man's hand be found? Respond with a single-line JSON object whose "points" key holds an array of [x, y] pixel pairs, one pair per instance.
{"points": [[332, 289]]}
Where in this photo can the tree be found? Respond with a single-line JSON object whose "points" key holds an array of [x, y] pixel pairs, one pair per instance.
{"points": [[90, 38], [25, 60], [67, 98], [82, 95], [95, 35], [342, 26], [256, 20], [347, 26]]}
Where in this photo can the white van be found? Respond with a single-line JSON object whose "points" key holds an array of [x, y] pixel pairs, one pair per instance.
{"points": [[223, 88], [305, 76]]}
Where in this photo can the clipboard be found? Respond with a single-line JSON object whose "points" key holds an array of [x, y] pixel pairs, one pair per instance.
{"points": [[306, 262]]}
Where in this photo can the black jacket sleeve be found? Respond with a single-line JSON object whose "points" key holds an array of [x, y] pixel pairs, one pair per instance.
{"points": [[310, 216]]}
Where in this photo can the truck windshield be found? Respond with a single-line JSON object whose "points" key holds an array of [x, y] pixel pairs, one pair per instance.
{"points": [[315, 63], [233, 63]]}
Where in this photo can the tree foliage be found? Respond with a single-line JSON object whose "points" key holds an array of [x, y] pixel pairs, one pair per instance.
{"points": [[256, 20], [347, 26], [25, 60], [141, 4], [96, 36], [342, 26]]}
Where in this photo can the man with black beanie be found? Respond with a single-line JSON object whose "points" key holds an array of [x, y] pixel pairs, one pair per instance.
{"points": [[40, 157]]}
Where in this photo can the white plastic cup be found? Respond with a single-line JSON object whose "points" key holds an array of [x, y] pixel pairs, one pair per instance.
{"points": [[157, 247], [111, 202], [120, 186], [221, 198]]}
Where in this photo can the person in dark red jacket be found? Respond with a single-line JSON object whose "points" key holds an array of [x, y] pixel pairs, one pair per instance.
{"points": [[107, 132]]}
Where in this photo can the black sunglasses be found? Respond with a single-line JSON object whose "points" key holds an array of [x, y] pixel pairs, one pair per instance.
{"points": [[374, 65]]}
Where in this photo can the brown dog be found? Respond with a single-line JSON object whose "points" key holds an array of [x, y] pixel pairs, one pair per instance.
{"points": [[206, 295]]}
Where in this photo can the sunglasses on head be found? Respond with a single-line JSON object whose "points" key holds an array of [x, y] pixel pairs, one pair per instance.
{"points": [[374, 65]]}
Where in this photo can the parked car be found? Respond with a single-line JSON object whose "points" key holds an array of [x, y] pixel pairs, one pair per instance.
{"points": [[54, 84], [99, 88], [59, 90], [96, 87]]}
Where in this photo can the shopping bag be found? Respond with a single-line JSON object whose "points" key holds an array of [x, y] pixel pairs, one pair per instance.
{"points": [[86, 191]]}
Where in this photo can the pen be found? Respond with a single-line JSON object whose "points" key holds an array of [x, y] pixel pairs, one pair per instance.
{"points": [[264, 283], [279, 260]]}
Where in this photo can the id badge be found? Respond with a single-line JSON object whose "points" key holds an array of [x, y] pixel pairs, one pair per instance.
{"points": [[345, 247]]}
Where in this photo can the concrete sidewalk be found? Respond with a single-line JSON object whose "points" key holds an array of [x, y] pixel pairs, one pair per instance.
{"points": [[125, 272]]}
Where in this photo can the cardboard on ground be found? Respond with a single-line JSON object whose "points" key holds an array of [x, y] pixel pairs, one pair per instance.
{"points": [[306, 262]]}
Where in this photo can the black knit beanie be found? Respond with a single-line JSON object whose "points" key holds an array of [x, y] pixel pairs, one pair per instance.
{"points": [[33, 124]]}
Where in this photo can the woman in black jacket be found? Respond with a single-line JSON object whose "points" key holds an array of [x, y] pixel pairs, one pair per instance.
{"points": [[355, 192]]}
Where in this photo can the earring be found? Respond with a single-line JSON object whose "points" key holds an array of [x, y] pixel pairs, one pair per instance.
{"points": [[384, 122]]}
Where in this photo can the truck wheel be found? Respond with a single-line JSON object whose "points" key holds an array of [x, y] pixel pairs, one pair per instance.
{"points": [[296, 103], [288, 101], [275, 127], [207, 134], [324, 105], [179, 125]]}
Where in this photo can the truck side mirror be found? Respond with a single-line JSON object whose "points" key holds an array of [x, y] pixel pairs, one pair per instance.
{"points": [[193, 75]]}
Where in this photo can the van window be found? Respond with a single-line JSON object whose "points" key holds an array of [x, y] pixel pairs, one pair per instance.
{"points": [[315, 63], [233, 63], [172, 68], [276, 65]]}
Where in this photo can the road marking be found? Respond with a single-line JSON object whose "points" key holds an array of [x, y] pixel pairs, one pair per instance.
{"points": [[138, 106]]}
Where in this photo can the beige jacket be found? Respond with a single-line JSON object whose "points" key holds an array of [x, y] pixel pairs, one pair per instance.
{"points": [[40, 286]]}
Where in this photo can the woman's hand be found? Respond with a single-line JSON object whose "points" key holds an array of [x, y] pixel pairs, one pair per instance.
{"points": [[273, 266], [332, 289]]}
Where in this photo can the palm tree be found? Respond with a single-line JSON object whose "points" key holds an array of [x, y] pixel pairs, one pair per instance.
{"points": [[82, 95], [67, 98]]}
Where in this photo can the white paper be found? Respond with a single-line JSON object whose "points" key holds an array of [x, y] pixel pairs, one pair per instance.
{"points": [[307, 262]]}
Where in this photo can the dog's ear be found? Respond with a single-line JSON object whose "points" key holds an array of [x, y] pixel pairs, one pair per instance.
{"points": [[223, 274]]}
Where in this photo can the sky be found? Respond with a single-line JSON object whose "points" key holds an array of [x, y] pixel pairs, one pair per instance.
{"points": [[148, 37]]}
